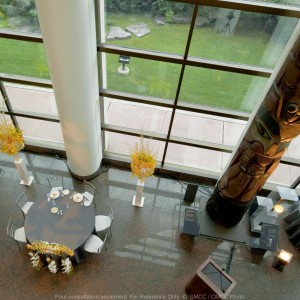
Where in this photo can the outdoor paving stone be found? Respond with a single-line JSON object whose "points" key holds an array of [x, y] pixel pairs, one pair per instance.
{"points": [[138, 30], [159, 21], [117, 33]]}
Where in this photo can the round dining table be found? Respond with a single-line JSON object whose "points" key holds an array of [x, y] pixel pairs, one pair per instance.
{"points": [[62, 220]]}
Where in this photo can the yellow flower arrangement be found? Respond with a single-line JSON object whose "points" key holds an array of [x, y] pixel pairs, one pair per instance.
{"points": [[45, 247], [143, 160], [11, 138]]}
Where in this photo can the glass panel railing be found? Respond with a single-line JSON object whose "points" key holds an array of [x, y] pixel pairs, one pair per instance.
{"points": [[121, 144]]}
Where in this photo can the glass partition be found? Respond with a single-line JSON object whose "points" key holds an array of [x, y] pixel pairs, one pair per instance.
{"points": [[23, 58], [221, 89], [31, 99], [40, 130], [160, 26], [207, 128], [19, 16], [293, 150], [137, 116], [194, 157], [121, 144], [142, 76], [240, 36]]}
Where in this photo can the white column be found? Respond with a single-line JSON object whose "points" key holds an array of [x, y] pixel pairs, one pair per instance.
{"points": [[69, 34]]}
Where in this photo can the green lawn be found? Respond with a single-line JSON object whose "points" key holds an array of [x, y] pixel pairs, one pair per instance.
{"points": [[23, 58], [200, 86], [159, 79]]}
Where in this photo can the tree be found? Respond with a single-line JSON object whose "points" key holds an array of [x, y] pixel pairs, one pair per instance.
{"points": [[21, 14]]}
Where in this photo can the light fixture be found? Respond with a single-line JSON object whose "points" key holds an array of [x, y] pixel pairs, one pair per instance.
{"points": [[282, 260], [123, 59], [283, 197], [278, 208]]}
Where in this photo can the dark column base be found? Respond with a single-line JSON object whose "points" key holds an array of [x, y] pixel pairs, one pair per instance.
{"points": [[225, 211], [88, 177]]}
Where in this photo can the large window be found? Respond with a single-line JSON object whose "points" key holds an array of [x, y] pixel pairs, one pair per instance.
{"points": [[26, 90], [193, 76]]}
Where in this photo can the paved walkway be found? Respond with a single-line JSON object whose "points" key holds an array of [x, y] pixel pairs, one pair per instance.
{"points": [[190, 125]]}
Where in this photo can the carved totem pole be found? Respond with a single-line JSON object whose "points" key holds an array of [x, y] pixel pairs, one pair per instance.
{"points": [[274, 126]]}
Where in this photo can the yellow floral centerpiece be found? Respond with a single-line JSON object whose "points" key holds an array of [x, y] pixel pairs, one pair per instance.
{"points": [[42, 247], [11, 138], [143, 160], [11, 142], [53, 248]]}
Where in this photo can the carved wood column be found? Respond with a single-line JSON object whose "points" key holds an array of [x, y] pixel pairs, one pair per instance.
{"points": [[274, 125]]}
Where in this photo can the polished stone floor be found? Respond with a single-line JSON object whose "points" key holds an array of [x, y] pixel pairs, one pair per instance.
{"points": [[146, 256]]}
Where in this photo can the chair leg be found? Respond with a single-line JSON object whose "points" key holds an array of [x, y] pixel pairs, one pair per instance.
{"points": [[18, 245]]}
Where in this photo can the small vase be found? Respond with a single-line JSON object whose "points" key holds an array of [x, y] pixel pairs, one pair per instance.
{"points": [[23, 172], [138, 199]]}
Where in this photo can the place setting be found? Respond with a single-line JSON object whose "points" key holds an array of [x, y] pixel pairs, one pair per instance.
{"points": [[77, 197], [66, 192], [56, 210], [54, 194]]}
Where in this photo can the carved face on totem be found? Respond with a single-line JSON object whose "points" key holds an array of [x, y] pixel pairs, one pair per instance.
{"points": [[290, 113], [264, 137], [273, 129]]}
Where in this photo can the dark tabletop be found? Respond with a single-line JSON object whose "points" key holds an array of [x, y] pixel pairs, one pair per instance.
{"points": [[71, 229]]}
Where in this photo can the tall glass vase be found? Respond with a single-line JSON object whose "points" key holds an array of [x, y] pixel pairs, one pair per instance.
{"points": [[138, 199], [26, 179]]}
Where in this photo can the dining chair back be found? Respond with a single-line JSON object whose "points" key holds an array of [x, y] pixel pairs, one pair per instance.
{"points": [[94, 244], [103, 222], [17, 234], [23, 203], [89, 192], [55, 182]]}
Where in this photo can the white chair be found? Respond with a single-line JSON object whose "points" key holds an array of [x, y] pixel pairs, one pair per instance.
{"points": [[17, 234], [94, 244], [104, 222], [56, 183], [89, 192], [23, 203]]}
